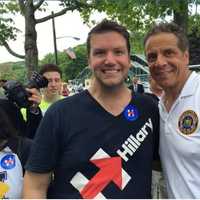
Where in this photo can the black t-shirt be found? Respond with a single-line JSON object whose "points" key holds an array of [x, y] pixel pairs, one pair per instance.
{"points": [[96, 154]]}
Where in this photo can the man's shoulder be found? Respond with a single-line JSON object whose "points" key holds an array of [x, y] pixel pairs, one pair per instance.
{"points": [[71, 101], [78, 96], [146, 100], [153, 96]]}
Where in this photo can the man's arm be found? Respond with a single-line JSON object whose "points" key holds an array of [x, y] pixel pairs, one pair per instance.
{"points": [[33, 113], [36, 185]]}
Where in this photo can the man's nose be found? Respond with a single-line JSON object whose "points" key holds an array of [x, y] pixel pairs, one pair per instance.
{"points": [[161, 60], [110, 58]]}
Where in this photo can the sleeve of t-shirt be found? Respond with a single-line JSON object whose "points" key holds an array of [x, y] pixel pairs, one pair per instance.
{"points": [[47, 143]]}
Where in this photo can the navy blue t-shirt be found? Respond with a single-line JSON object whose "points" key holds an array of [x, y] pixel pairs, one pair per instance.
{"points": [[95, 154]]}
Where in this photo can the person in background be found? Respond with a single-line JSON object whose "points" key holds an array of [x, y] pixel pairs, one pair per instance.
{"points": [[99, 143], [155, 90], [2, 81], [14, 150], [136, 86], [166, 49], [51, 93], [65, 90], [31, 115]]}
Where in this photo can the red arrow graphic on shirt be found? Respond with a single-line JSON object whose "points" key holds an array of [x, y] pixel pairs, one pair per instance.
{"points": [[110, 170]]}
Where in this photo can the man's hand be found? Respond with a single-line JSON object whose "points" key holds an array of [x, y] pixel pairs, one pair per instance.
{"points": [[36, 97]]}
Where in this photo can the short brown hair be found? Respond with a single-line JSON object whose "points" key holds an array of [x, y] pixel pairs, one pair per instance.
{"points": [[173, 28], [108, 26], [50, 68]]}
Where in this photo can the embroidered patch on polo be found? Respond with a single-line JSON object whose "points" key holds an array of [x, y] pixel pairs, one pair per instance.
{"points": [[188, 122]]}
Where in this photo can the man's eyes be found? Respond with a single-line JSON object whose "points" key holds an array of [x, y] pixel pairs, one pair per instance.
{"points": [[56, 80], [98, 53], [119, 52], [102, 53], [151, 57], [168, 53]]}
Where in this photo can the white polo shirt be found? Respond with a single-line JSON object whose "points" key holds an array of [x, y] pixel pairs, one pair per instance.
{"points": [[180, 142], [11, 175]]}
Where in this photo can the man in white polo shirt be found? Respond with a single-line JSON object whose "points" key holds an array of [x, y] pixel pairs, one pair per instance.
{"points": [[166, 49]]}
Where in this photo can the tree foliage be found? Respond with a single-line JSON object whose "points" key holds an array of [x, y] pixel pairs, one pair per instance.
{"points": [[7, 29], [139, 15], [76, 65], [136, 15], [69, 67], [28, 8], [13, 71]]}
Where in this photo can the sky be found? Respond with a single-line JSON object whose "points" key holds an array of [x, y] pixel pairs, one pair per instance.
{"points": [[66, 26]]}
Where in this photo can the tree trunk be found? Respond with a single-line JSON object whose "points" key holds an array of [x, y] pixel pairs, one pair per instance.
{"points": [[30, 46], [181, 14]]}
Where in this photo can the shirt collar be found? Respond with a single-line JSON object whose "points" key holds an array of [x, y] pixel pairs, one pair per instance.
{"points": [[190, 85], [188, 89]]}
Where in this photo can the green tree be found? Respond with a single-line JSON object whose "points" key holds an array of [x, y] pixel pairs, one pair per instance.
{"points": [[70, 67], [13, 71], [28, 8], [137, 15], [75, 66]]}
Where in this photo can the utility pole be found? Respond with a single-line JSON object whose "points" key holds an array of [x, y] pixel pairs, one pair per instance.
{"points": [[54, 39]]}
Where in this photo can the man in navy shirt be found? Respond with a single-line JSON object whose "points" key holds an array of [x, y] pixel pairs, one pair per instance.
{"points": [[101, 142]]}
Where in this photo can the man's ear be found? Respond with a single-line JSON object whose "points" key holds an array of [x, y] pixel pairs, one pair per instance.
{"points": [[89, 65], [187, 57], [89, 61], [129, 61]]}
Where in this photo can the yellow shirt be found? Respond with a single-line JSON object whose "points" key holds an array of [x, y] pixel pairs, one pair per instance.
{"points": [[44, 105]]}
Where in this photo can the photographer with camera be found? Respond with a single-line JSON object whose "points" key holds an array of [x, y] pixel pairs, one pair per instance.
{"points": [[14, 130], [27, 98]]}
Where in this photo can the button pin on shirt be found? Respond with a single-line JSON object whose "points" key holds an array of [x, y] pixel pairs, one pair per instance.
{"points": [[131, 113]]}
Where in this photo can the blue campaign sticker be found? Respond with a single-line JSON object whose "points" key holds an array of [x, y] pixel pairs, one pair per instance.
{"points": [[131, 113], [8, 161]]}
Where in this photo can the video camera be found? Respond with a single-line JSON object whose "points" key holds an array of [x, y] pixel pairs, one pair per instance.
{"points": [[17, 93]]}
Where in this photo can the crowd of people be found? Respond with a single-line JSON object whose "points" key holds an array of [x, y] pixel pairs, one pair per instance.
{"points": [[105, 141]]}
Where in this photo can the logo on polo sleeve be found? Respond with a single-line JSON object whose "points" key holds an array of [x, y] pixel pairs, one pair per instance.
{"points": [[188, 122]]}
